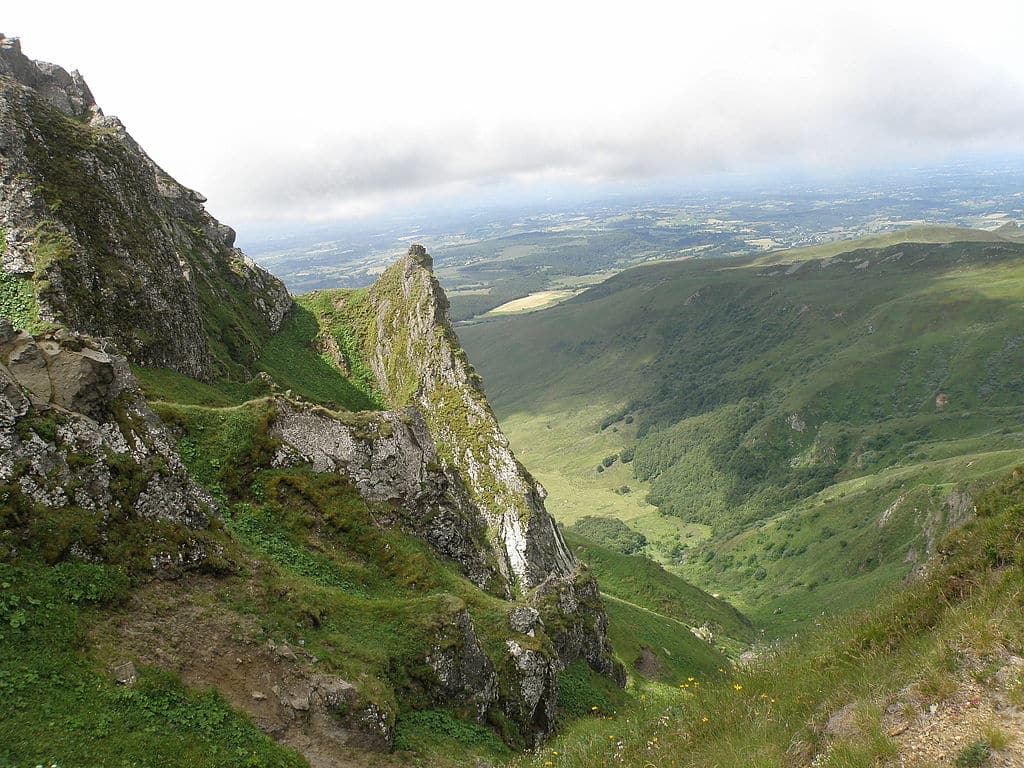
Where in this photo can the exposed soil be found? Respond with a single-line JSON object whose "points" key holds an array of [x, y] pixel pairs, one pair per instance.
{"points": [[187, 631], [936, 733], [648, 665]]}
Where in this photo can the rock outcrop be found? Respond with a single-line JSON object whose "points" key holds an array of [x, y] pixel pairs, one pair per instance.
{"points": [[418, 363], [113, 245], [76, 433], [417, 360], [125, 264], [389, 456], [439, 460]]}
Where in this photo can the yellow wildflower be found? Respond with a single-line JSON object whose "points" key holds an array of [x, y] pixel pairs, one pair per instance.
{"points": [[737, 686]]}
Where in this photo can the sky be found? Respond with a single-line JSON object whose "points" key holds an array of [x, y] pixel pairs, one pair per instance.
{"points": [[297, 112]]}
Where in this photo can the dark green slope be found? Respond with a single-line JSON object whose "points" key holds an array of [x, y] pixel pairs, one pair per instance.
{"points": [[788, 406]]}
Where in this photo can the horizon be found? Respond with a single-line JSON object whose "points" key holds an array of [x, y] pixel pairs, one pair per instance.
{"points": [[336, 125]]}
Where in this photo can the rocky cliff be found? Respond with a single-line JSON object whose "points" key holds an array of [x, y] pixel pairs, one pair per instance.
{"points": [[106, 260], [96, 237], [81, 451], [403, 330]]}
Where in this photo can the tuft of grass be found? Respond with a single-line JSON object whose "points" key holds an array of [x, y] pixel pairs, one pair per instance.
{"points": [[18, 302], [974, 755], [996, 737], [584, 693], [439, 735]]}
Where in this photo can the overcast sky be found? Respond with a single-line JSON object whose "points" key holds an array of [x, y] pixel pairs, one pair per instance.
{"points": [[291, 111]]}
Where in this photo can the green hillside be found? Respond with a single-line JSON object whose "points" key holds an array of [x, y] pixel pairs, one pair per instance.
{"points": [[300, 560], [781, 408], [643, 582], [916, 234], [930, 675], [652, 615]]}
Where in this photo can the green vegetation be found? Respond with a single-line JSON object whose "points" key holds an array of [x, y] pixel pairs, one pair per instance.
{"points": [[165, 385], [18, 297], [610, 532], [436, 735], [18, 302], [912, 649], [643, 582], [974, 755], [912, 235], [782, 408], [299, 358], [62, 708], [656, 647]]}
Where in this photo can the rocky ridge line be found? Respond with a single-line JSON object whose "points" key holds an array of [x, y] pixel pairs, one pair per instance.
{"points": [[113, 246]]}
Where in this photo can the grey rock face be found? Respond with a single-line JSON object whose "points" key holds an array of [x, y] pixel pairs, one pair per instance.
{"points": [[116, 247], [389, 456], [73, 423], [465, 673], [523, 619], [334, 708], [534, 683], [574, 607], [65, 92], [126, 674], [417, 361]]}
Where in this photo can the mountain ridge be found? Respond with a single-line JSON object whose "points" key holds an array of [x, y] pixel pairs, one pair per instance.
{"points": [[399, 544], [110, 244]]}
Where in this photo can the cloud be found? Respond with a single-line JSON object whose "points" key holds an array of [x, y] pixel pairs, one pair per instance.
{"points": [[312, 116]]}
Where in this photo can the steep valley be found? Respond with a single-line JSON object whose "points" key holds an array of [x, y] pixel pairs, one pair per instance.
{"points": [[776, 520], [794, 431]]}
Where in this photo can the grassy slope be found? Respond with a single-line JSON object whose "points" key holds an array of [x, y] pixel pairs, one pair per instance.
{"points": [[916, 234], [710, 360], [294, 360], [61, 708], [366, 602], [644, 582], [651, 612], [913, 648]]}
